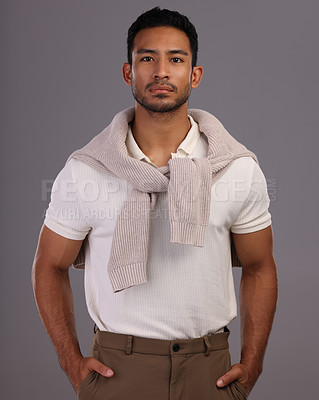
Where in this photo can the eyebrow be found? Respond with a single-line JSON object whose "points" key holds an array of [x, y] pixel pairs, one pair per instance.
{"points": [[175, 51]]}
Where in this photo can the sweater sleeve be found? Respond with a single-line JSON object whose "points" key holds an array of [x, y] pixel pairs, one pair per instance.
{"points": [[254, 215], [65, 214]]}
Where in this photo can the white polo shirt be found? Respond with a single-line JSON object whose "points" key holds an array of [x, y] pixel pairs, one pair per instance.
{"points": [[183, 150], [178, 301]]}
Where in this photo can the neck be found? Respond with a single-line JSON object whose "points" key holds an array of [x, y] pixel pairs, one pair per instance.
{"points": [[159, 134]]}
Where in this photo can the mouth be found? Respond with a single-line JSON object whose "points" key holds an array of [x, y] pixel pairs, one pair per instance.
{"points": [[161, 89]]}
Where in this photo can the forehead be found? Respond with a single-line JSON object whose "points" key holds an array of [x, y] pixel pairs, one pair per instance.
{"points": [[162, 37]]}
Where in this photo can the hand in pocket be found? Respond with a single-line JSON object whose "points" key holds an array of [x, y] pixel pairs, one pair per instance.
{"points": [[86, 366]]}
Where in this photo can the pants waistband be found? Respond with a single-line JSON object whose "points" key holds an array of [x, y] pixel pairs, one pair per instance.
{"points": [[136, 344]]}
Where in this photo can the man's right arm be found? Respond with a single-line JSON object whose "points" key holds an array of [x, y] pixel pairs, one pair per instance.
{"points": [[51, 284]]}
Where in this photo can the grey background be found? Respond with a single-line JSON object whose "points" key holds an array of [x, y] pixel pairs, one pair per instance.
{"points": [[61, 84]]}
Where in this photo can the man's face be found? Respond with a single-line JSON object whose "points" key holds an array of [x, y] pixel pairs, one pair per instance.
{"points": [[161, 72]]}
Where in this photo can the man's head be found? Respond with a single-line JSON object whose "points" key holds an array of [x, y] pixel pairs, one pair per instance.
{"points": [[157, 17], [161, 57]]}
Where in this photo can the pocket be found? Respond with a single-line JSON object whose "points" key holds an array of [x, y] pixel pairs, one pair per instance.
{"points": [[240, 390], [84, 392]]}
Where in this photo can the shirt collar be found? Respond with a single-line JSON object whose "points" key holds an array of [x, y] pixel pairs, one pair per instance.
{"points": [[185, 148]]}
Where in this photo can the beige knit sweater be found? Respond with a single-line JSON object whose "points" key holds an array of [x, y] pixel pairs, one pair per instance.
{"points": [[188, 183]]}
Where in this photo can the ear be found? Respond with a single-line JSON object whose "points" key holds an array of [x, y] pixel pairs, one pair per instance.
{"points": [[127, 74], [197, 76]]}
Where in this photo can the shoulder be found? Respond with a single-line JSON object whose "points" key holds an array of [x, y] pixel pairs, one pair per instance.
{"points": [[82, 170], [244, 163], [242, 167], [245, 173]]}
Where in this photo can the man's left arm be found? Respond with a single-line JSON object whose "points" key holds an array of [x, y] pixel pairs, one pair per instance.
{"points": [[258, 297]]}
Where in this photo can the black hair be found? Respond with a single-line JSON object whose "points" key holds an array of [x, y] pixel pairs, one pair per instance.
{"points": [[157, 17]]}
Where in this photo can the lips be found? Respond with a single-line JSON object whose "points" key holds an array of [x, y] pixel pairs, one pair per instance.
{"points": [[161, 89]]}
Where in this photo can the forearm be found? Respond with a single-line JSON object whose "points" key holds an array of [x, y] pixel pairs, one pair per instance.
{"points": [[258, 297], [54, 299]]}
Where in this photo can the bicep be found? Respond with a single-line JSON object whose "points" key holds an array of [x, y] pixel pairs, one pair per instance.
{"points": [[55, 250], [254, 248]]}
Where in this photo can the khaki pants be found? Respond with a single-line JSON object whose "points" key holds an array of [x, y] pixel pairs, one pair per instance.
{"points": [[153, 369]]}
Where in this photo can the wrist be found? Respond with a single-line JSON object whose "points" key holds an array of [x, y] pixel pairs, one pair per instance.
{"points": [[70, 363], [253, 366], [252, 358]]}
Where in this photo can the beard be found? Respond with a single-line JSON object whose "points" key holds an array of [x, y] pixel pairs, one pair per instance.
{"points": [[162, 106]]}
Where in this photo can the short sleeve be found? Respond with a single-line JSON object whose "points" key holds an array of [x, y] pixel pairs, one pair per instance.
{"points": [[65, 214], [254, 215]]}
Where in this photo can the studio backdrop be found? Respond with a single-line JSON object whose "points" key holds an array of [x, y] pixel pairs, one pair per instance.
{"points": [[61, 84]]}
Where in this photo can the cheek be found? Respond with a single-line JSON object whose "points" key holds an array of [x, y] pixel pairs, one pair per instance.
{"points": [[139, 78], [138, 83], [183, 76]]}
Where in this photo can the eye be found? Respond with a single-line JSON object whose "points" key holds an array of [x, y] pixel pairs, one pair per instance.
{"points": [[177, 60], [146, 58]]}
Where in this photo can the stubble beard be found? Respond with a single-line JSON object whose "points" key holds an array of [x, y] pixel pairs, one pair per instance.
{"points": [[162, 107]]}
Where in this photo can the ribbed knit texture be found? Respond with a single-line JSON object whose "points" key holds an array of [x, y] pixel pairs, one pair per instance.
{"points": [[188, 183]]}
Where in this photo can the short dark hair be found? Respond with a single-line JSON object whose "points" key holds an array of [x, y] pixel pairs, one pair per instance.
{"points": [[157, 17]]}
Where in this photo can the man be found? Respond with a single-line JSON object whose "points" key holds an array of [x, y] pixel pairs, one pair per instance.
{"points": [[158, 207]]}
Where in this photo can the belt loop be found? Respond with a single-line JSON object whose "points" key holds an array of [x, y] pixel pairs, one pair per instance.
{"points": [[208, 345], [95, 328], [129, 344]]}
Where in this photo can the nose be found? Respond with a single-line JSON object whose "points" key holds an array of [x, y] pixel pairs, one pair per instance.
{"points": [[161, 70]]}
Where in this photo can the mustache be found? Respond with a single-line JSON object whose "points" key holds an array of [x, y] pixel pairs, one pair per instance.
{"points": [[149, 85]]}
